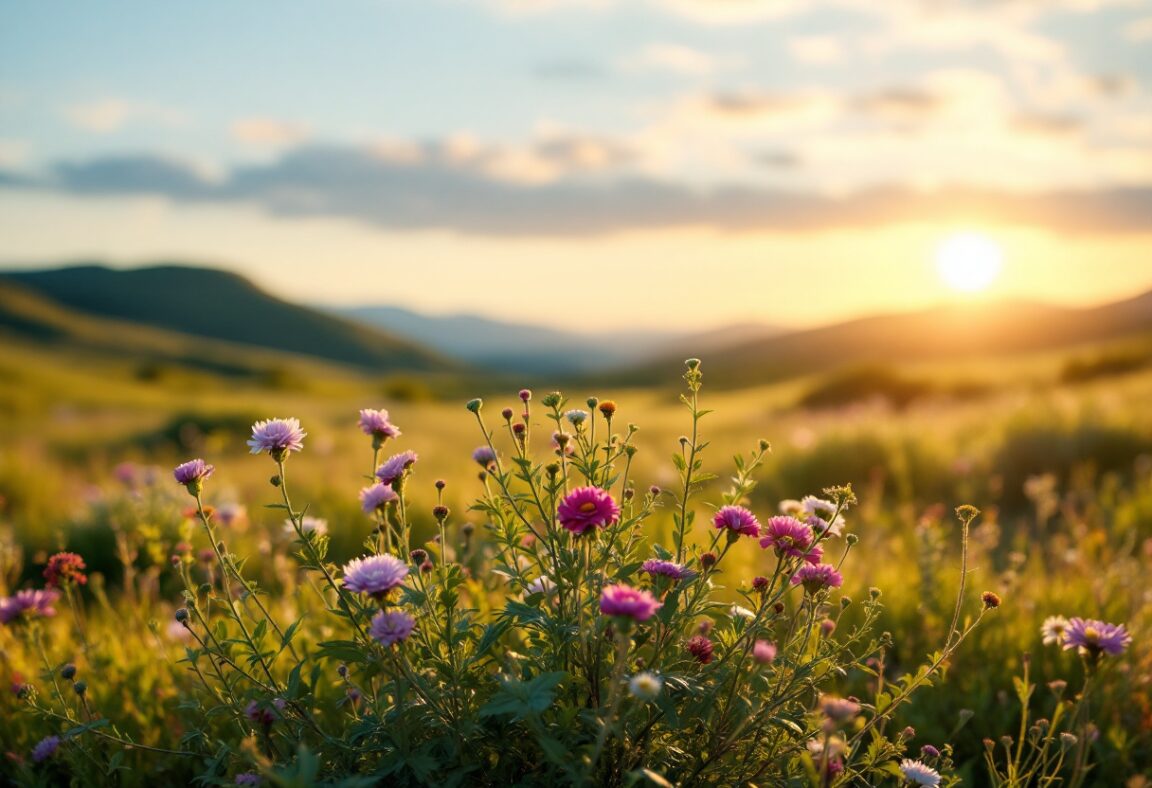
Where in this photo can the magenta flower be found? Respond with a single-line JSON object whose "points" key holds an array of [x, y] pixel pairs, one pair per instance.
{"points": [[791, 538], [278, 437], [738, 520], [764, 652], [65, 568], [45, 749], [669, 569], [700, 647], [484, 456], [587, 507], [376, 497], [390, 628], [627, 602], [1093, 637], [375, 423], [28, 604], [374, 574], [817, 577], [192, 474], [394, 467]]}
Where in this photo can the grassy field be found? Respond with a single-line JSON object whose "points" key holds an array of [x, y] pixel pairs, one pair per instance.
{"points": [[1061, 473]]}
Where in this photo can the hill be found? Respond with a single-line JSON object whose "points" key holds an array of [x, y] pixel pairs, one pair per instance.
{"points": [[210, 304]]}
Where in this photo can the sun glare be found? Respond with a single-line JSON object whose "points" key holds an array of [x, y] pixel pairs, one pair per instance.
{"points": [[969, 262]]}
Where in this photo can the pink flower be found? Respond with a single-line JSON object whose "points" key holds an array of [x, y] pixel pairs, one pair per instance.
{"points": [[374, 574], [28, 604], [278, 437], [738, 520], [192, 474], [669, 569], [64, 568], [390, 628], [375, 423], [394, 467], [627, 602], [700, 647], [817, 577], [791, 538], [376, 497], [587, 507], [764, 652]]}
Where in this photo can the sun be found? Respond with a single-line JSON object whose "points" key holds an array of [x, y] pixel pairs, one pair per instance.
{"points": [[969, 262]]}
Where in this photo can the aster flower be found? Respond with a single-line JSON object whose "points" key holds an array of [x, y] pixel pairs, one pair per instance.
{"points": [[375, 423], [28, 604], [395, 466], [192, 474], [919, 773], [623, 601], [375, 498], [791, 538], [669, 569], [764, 652], [308, 525], [484, 456], [1093, 637], [700, 647], [391, 627], [1052, 630], [738, 520], [576, 417], [587, 508], [817, 577], [646, 686], [45, 748], [65, 568], [278, 437], [838, 710], [374, 574]]}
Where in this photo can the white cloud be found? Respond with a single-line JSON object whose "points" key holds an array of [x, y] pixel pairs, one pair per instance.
{"points": [[817, 50], [676, 59], [269, 132], [1139, 29], [13, 153], [105, 116]]}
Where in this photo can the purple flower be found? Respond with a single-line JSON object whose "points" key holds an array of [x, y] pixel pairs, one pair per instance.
{"points": [[1094, 637], [192, 474], [249, 778], [764, 652], [738, 520], [394, 467], [587, 507], [45, 749], [391, 627], [375, 423], [376, 497], [374, 574], [791, 538], [700, 647], [259, 713], [669, 569], [484, 456], [278, 437], [627, 602], [28, 604], [817, 577]]}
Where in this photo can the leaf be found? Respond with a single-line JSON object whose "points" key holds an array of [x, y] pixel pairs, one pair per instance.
{"points": [[290, 633], [523, 699], [655, 779]]}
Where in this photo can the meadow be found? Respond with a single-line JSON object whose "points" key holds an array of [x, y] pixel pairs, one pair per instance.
{"points": [[1061, 473]]}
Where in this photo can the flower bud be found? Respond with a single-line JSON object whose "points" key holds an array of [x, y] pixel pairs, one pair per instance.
{"points": [[418, 556], [692, 363], [68, 672], [441, 484], [760, 583], [182, 615], [440, 512], [507, 414], [80, 687], [474, 405], [592, 402], [991, 601], [708, 560], [552, 400], [275, 481], [525, 395]]}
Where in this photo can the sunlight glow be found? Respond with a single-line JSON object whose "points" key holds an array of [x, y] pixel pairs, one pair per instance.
{"points": [[969, 261]]}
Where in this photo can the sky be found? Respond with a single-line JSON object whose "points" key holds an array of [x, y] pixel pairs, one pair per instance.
{"points": [[587, 163]]}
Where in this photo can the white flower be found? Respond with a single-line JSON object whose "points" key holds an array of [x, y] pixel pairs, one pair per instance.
{"points": [[791, 506], [308, 524], [1053, 630], [741, 612], [541, 585], [645, 686], [918, 773]]}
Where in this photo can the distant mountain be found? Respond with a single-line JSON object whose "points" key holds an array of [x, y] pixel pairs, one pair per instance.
{"points": [[502, 346], [953, 332], [211, 304]]}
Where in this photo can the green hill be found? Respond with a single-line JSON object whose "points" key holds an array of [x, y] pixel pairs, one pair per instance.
{"points": [[200, 302]]}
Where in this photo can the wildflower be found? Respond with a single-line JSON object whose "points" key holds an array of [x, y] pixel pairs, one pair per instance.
{"points": [[395, 466], [737, 520], [817, 577], [80, 687], [576, 417], [669, 569], [484, 456], [928, 751], [646, 686], [541, 585], [626, 602], [440, 512], [376, 497], [791, 506], [990, 599], [827, 627], [192, 474], [376, 423], [259, 713], [231, 514], [587, 508], [68, 672], [249, 778], [791, 538], [607, 408], [700, 647], [45, 749], [65, 568], [736, 611], [760, 584], [1093, 637], [918, 773], [391, 627], [278, 437], [308, 525], [525, 395], [708, 560], [764, 652], [28, 604], [838, 710], [1052, 630], [374, 574], [474, 405]]}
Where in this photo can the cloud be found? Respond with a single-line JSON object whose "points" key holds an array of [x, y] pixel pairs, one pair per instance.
{"points": [[13, 153], [1139, 29], [109, 115], [1046, 125], [358, 184], [568, 70], [269, 132], [817, 50], [675, 59]]}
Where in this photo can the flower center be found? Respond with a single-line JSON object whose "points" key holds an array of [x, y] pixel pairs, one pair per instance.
{"points": [[588, 507], [1091, 634]]}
